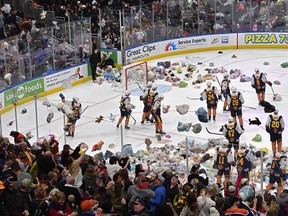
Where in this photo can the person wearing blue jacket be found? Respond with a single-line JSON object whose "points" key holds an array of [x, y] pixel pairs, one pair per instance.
{"points": [[160, 194]]}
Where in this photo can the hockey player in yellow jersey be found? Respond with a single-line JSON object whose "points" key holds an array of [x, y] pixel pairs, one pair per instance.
{"points": [[125, 109], [148, 99], [211, 95]]}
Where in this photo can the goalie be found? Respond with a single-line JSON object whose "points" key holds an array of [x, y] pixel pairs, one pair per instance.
{"points": [[72, 110]]}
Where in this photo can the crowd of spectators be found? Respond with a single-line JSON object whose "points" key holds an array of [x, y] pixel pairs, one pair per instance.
{"points": [[40, 179]]}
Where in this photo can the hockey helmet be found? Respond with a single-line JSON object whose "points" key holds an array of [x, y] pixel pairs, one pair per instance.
{"points": [[209, 83], [127, 93], [277, 155], [233, 89], [225, 75], [154, 87], [243, 145], [225, 142], [149, 84], [275, 114], [230, 120], [159, 97], [257, 73], [76, 99]]}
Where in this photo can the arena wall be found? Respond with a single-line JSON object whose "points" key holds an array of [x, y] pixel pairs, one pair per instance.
{"points": [[202, 43], [43, 86]]}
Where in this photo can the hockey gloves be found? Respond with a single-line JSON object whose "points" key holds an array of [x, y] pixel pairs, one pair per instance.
{"points": [[61, 96], [270, 83]]}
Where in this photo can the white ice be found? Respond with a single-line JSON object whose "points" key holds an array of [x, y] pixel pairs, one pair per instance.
{"points": [[103, 100]]}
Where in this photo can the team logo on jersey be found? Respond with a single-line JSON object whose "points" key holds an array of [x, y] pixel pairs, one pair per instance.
{"points": [[170, 46]]}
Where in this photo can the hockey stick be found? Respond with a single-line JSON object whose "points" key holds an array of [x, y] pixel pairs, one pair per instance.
{"points": [[218, 82], [84, 110], [213, 132], [274, 95], [249, 107], [192, 98], [244, 106], [140, 87], [133, 119]]}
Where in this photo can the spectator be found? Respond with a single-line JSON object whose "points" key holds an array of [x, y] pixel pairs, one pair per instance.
{"points": [[140, 208], [89, 178], [14, 200], [282, 200], [101, 171], [73, 166], [19, 138], [59, 207], [272, 206], [219, 206], [45, 163], [7, 171], [140, 171], [113, 166], [20, 176], [152, 178], [195, 174], [172, 189], [39, 206], [205, 202], [119, 200], [3, 210], [160, 194], [234, 210], [249, 202], [191, 207], [52, 181], [2, 26], [69, 189], [260, 207], [135, 192]]}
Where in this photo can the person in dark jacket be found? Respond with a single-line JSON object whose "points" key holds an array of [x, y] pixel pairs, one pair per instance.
{"points": [[140, 208], [282, 200], [195, 174], [94, 60]]}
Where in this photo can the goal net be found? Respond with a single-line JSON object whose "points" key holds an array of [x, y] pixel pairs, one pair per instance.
{"points": [[133, 74]]}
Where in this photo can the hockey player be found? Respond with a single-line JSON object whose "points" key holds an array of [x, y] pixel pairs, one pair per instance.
{"points": [[148, 95], [259, 81], [245, 159], [125, 109], [223, 160], [277, 172], [274, 126], [235, 100], [232, 131], [77, 110], [211, 95], [225, 90], [156, 113]]}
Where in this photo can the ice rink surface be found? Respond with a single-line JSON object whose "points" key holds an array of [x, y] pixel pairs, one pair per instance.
{"points": [[104, 99]]}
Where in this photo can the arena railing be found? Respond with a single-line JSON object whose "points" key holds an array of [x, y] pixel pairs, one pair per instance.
{"points": [[37, 52]]}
